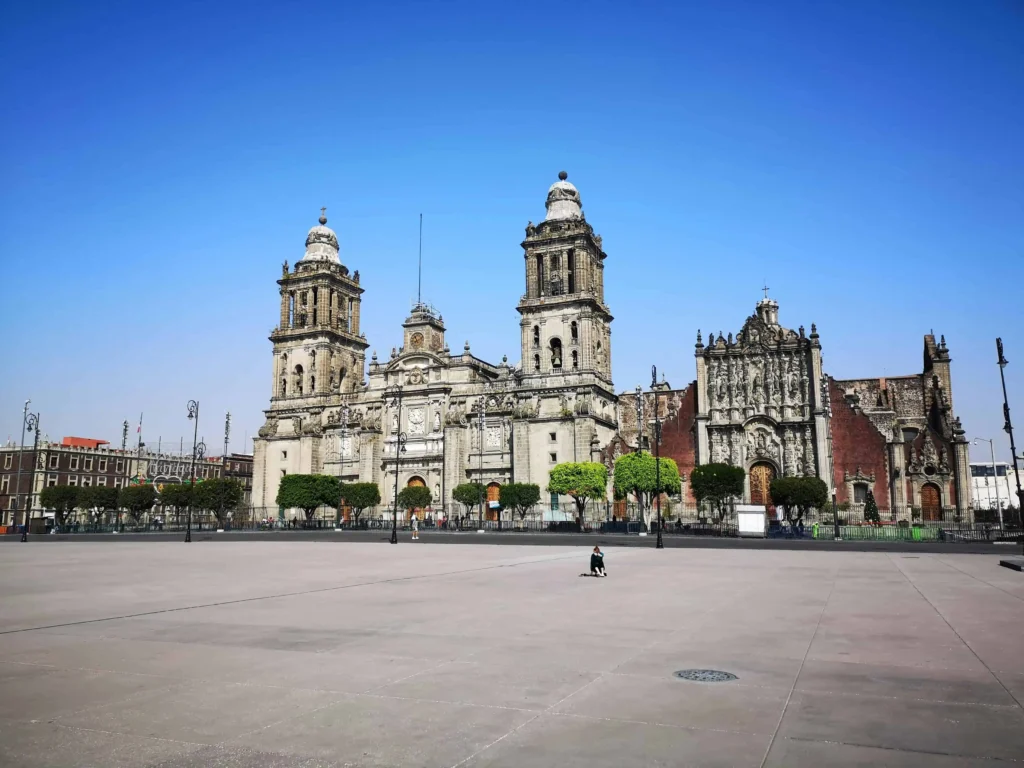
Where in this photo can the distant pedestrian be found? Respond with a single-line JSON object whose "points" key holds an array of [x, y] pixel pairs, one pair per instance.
{"points": [[597, 563], [415, 528]]}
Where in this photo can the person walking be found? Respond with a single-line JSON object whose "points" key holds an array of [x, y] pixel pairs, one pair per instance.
{"points": [[415, 528]]}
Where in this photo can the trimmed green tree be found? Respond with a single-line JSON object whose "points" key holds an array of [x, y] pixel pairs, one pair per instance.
{"points": [[62, 499], [359, 496], [581, 481], [307, 492], [414, 497], [177, 495], [468, 494], [715, 484], [798, 495], [637, 473], [100, 499], [219, 495], [519, 497], [137, 500]]}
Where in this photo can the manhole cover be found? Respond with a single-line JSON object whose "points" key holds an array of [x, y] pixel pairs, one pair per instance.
{"points": [[705, 675]]}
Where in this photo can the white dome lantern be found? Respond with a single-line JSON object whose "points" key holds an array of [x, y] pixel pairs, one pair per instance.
{"points": [[322, 242], [563, 200]]}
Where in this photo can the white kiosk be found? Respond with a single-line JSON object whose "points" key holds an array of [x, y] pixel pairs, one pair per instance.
{"points": [[751, 520]]}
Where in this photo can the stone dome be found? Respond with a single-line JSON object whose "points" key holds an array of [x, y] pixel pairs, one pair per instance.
{"points": [[563, 200], [321, 242]]}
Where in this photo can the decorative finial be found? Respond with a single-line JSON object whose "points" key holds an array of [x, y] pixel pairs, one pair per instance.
{"points": [[562, 175], [814, 329], [504, 359], [323, 215], [466, 347], [699, 341]]}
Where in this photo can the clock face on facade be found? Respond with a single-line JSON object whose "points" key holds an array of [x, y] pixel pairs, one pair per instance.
{"points": [[416, 340], [435, 341]]}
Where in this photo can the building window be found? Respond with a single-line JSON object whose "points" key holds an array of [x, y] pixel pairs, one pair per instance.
{"points": [[88, 465], [86, 481], [51, 480], [117, 482], [860, 493], [554, 501], [553, 457], [5, 481], [7, 460], [536, 335], [909, 435], [73, 465], [553, 436], [575, 360], [536, 363], [102, 481], [284, 472], [540, 275], [73, 480], [236, 466], [54, 461], [103, 465], [284, 454], [574, 332], [119, 466], [571, 265]]}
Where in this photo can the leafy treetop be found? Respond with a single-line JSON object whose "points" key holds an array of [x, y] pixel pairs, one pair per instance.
{"points": [[519, 497], [581, 481], [715, 484]]}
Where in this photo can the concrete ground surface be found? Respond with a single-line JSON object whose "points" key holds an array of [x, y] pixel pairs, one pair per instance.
{"points": [[364, 654]]}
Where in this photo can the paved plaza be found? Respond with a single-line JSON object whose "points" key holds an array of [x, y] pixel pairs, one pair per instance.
{"points": [[275, 653]]}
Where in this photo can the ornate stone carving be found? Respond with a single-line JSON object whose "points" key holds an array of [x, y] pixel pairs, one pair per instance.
{"points": [[269, 428], [415, 377], [417, 425], [494, 436]]}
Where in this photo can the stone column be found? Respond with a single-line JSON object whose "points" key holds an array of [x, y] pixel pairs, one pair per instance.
{"points": [[285, 302]]}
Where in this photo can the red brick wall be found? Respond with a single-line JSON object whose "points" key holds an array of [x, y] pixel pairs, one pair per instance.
{"points": [[856, 443], [678, 441]]}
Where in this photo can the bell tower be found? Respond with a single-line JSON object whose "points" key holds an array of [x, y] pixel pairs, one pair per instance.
{"points": [[566, 326]]}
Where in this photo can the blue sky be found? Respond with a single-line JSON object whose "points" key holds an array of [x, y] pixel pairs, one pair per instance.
{"points": [[162, 160]]}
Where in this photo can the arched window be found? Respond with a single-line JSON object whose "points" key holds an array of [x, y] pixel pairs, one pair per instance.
{"points": [[540, 275], [556, 354], [312, 384], [341, 377], [574, 331], [298, 383], [284, 386], [536, 363], [556, 285], [536, 335], [575, 360], [570, 262]]}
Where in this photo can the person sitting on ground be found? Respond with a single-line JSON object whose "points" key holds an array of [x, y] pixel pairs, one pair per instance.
{"points": [[597, 563]]}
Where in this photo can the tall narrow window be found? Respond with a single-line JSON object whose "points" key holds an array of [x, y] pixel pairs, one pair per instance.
{"points": [[330, 308], [575, 360], [556, 354], [536, 335], [536, 363], [291, 310], [540, 276], [351, 312], [570, 263], [316, 305], [574, 331]]}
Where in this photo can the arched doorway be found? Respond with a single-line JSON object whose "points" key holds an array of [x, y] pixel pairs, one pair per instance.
{"points": [[761, 476], [931, 502], [416, 482], [493, 494]]}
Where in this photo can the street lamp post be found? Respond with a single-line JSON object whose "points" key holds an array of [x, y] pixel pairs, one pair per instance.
{"points": [[32, 425], [1008, 427], [198, 451], [395, 392], [21, 453], [639, 448], [657, 453], [995, 476]]}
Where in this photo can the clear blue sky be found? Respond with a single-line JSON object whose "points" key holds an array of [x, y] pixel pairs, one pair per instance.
{"points": [[161, 160]]}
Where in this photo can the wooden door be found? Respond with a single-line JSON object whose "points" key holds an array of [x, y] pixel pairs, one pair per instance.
{"points": [[931, 502], [761, 476], [493, 493]]}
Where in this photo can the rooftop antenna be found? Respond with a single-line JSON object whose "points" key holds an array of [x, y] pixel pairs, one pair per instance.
{"points": [[419, 270]]}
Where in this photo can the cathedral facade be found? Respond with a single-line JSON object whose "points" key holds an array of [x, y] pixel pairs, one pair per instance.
{"points": [[433, 417], [428, 416]]}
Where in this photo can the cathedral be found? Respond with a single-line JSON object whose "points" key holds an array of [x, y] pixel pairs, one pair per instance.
{"points": [[427, 416]]}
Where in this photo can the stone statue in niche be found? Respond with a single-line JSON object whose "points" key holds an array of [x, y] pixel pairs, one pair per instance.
{"points": [[394, 422], [437, 422]]}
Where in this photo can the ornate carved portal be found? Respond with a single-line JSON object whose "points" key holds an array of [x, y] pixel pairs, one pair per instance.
{"points": [[761, 476]]}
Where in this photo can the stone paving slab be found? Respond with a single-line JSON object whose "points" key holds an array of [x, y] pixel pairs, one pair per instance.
{"points": [[306, 654]]}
